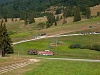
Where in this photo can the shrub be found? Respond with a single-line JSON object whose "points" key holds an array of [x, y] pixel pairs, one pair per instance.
{"points": [[86, 47], [12, 32], [72, 46], [96, 47], [98, 13], [41, 26]]}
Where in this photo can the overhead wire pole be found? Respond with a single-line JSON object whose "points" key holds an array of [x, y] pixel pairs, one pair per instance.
{"points": [[56, 41]]}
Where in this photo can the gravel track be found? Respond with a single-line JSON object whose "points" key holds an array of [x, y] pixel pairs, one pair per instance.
{"points": [[14, 66]]}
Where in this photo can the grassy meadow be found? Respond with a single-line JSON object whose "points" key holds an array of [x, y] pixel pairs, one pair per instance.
{"points": [[61, 50], [54, 67], [27, 32], [61, 67]]}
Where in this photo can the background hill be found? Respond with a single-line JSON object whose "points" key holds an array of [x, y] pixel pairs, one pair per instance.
{"points": [[17, 6]]}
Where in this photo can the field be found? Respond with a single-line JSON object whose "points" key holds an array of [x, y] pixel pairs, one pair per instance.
{"points": [[54, 67], [58, 67], [62, 50], [29, 31]]}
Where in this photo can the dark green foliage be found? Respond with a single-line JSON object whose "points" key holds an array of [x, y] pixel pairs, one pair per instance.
{"points": [[26, 22], [12, 32], [66, 13], [31, 18], [47, 24], [88, 13], [41, 26], [51, 19], [26, 18], [86, 47], [93, 47], [72, 46], [5, 41], [17, 6], [77, 16], [22, 15], [96, 47], [98, 13], [58, 11]]}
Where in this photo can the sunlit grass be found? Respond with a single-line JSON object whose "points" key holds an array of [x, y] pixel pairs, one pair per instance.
{"points": [[61, 67], [62, 50]]}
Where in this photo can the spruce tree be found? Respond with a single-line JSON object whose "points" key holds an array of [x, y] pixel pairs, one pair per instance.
{"points": [[77, 16], [98, 13], [65, 15], [5, 41], [88, 13], [51, 19], [26, 18], [31, 18], [47, 24], [22, 14]]}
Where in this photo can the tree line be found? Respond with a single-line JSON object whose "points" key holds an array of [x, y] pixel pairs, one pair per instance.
{"points": [[13, 8]]}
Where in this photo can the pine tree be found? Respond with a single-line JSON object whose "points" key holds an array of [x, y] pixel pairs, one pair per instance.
{"points": [[5, 41], [1, 36], [88, 13], [5, 17], [77, 16], [31, 18], [65, 15], [47, 24], [26, 18], [22, 14], [98, 13], [51, 19]]}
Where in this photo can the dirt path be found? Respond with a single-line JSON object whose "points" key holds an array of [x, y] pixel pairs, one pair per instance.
{"points": [[14, 66], [71, 59], [56, 35]]}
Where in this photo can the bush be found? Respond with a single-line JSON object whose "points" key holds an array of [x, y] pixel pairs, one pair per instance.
{"points": [[72, 46], [12, 32], [41, 26], [96, 47], [86, 47], [98, 13]]}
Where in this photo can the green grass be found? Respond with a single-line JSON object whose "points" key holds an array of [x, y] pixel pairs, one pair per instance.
{"points": [[55, 67], [62, 50], [28, 31], [61, 67]]}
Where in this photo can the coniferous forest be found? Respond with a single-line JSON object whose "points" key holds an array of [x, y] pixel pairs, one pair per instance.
{"points": [[16, 8]]}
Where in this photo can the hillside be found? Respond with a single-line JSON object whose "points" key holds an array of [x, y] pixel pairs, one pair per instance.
{"points": [[15, 7], [94, 10]]}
